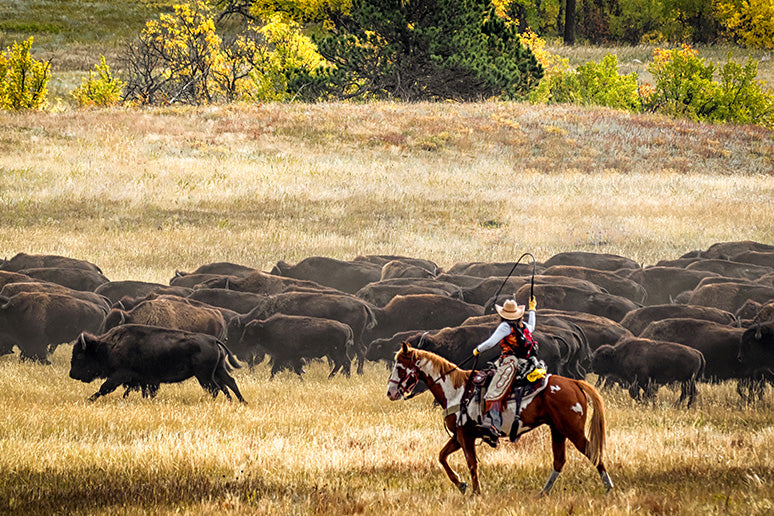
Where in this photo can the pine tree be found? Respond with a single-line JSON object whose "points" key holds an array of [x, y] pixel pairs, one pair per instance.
{"points": [[423, 50]]}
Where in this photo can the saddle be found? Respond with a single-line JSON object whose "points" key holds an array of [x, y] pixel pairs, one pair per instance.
{"points": [[530, 379]]}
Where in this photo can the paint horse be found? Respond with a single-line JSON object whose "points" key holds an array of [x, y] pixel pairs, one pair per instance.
{"points": [[562, 405]]}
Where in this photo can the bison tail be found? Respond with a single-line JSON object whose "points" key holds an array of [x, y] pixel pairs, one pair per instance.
{"points": [[370, 318], [596, 445], [230, 360]]}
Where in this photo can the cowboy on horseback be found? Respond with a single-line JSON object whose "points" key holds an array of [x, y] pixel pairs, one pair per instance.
{"points": [[517, 346]]}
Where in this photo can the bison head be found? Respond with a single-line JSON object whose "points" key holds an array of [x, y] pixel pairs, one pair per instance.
{"points": [[238, 339], [89, 361], [757, 347], [603, 360], [115, 318]]}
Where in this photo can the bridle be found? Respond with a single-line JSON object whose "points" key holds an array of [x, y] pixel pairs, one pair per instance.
{"points": [[408, 381]]}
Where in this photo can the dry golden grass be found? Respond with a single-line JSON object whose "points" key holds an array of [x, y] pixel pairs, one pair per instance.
{"points": [[340, 447], [142, 193]]}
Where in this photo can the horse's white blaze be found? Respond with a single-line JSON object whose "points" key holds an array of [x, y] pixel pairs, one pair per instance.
{"points": [[393, 391], [577, 408]]}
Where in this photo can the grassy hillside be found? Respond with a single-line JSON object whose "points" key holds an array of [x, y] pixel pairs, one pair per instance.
{"points": [[144, 192]]}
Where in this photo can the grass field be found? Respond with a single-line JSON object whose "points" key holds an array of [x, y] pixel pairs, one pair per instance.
{"points": [[143, 193]]}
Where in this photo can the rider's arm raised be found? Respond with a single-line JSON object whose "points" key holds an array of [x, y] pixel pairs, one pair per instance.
{"points": [[502, 331]]}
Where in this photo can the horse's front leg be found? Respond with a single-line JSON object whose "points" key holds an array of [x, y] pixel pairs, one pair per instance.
{"points": [[451, 447], [469, 449]]}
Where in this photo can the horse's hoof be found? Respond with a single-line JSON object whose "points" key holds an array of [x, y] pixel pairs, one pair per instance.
{"points": [[462, 487]]}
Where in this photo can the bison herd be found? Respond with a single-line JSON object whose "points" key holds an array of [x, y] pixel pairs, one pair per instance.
{"points": [[707, 315]]}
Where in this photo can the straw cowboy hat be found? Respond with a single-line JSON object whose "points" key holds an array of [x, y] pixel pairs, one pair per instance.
{"points": [[510, 310]]}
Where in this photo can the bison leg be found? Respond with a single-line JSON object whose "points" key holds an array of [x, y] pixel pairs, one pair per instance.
{"points": [[111, 384], [226, 380]]}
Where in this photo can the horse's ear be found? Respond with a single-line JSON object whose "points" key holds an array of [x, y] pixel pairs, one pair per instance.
{"points": [[405, 347]]}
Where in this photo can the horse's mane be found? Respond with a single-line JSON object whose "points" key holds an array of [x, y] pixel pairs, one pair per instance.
{"points": [[441, 366]]}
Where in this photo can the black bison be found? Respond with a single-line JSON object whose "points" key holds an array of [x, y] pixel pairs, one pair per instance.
{"points": [[717, 342], [344, 308], [420, 312], [347, 276], [35, 261], [259, 282], [488, 269], [663, 284], [482, 292], [730, 296], [730, 269], [171, 312], [76, 279], [236, 300], [290, 339], [115, 290], [756, 351], [379, 294], [645, 364], [598, 330], [730, 250], [35, 322], [13, 277], [610, 281], [225, 268], [401, 269], [140, 356], [637, 320], [44, 286], [575, 299], [600, 261]]}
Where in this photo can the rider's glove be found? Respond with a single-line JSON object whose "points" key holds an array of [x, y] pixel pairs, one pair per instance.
{"points": [[532, 304], [476, 352]]}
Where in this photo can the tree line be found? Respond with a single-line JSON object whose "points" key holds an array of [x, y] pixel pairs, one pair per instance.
{"points": [[414, 50]]}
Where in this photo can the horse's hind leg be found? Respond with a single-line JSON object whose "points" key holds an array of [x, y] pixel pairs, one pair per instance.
{"points": [[451, 447]]}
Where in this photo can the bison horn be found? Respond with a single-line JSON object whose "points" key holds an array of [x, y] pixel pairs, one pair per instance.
{"points": [[227, 285], [758, 332]]}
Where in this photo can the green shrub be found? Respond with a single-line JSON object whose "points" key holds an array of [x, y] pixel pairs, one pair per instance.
{"points": [[597, 84], [601, 85], [100, 88], [683, 84], [23, 80], [685, 87]]}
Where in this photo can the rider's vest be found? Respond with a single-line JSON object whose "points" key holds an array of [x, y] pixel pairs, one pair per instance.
{"points": [[518, 343]]}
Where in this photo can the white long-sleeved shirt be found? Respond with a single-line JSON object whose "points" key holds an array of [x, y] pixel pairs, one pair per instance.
{"points": [[502, 331]]}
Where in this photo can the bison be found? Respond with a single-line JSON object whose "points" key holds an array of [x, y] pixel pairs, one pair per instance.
{"points": [[646, 364], [600, 261], [34, 261], [171, 312], [347, 309], [610, 281], [144, 356], [756, 350], [290, 339], [76, 279], [115, 290], [663, 284], [347, 276], [36, 321], [637, 320], [420, 312]]}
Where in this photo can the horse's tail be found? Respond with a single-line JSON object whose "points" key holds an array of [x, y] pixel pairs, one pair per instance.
{"points": [[596, 435]]}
